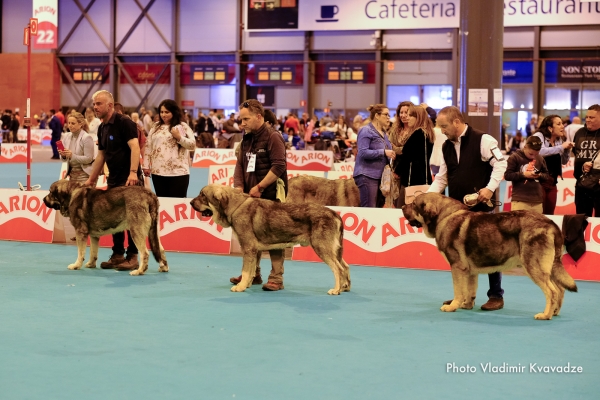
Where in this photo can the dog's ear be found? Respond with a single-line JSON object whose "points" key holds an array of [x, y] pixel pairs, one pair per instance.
{"points": [[221, 196]]}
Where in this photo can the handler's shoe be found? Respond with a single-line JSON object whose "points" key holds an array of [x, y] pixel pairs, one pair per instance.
{"points": [[113, 261], [493, 305], [271, 286], [237, 279], [130, 263]]}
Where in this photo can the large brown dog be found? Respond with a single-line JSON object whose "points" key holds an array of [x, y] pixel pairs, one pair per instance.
{"points": [[480, 243], [94, 212], [264, 225], [326, 192]]}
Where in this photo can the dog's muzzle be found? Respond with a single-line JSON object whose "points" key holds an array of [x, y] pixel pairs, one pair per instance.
{"points": [[415, 223], [54, 206]]}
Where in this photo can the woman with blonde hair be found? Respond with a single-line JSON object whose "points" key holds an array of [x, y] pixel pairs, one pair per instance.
{"points": [[78, 148], [416, 145]]}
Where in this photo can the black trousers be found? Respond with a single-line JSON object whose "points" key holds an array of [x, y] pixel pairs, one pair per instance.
{"points": [[171, 186], [119, 238], [586, 202]]}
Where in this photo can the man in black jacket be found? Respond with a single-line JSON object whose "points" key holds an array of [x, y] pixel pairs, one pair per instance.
{"points": [[587, 144], [471, 163], [118, 146], [261, 162]]}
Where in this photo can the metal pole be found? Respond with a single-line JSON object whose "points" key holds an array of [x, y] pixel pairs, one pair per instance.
{"points": [[28, 112]]}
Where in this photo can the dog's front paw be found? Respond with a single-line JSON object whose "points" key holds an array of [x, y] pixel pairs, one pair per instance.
{"points": [[448, 308], [543, 316], [238, 288], [163, 268], [90, 264], [468, 305], [333, 292], [74, 266], [136, 272]]}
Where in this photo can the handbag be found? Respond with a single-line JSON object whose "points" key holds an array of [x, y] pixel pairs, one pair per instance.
{"points": [[386, 180], [410, 192], [590, 181]]}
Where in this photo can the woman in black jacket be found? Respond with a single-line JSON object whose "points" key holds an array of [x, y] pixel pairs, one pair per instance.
{"points": [[416, 145]]}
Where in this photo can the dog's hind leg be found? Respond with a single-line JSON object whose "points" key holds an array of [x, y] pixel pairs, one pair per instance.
{"points": [[471, 293], [140, 242], [538, 260], [561, 296], [93, 252], [346, 283], [327, 254], [81, 245]]}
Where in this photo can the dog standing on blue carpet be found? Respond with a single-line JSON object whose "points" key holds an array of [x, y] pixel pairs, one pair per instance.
{"points": [[95, 212], [479, 243], [265, 225]]}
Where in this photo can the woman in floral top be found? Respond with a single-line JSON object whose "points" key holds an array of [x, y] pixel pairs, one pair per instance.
{"points": [[167, 154]]}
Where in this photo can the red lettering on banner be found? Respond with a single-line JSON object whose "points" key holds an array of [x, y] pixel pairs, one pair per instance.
{"points": [[293, 156], [404, 226], [44, 211], [367, 232], [354, 221], [596, 234], [14, 203], [567, 193], [165, 217], [3, 208], [316, 156], [386, 231], [31, 208], [42, 9], [510, 192], [180, 211]]}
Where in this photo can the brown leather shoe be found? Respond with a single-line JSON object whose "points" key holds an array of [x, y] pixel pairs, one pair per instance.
{"points": [[113, 261], [271, 286], [237, 279], [130, 263], [493, 305]]}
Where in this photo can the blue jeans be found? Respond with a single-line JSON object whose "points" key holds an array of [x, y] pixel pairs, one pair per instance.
{"points": [[368, 188]]}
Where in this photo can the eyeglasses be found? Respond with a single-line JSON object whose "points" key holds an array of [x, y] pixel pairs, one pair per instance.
{"points": [[245, 105], [385, 114]]}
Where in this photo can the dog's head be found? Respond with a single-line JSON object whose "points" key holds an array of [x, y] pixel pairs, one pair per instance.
{"points": [[424, 212], [213, 201], [60, 194]]}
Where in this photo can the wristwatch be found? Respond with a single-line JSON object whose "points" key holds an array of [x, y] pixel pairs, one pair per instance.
{"points": [[260, 188]]}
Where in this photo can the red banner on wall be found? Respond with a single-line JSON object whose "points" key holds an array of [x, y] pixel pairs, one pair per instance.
{"points": [[146, 73]]}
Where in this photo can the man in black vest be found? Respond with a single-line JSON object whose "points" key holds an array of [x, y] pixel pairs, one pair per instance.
{"points": [[118, 146], [472, 163], [260, 163]]}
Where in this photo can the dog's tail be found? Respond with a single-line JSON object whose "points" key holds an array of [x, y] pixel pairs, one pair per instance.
{"points": [[153, 233], [559, 274]]}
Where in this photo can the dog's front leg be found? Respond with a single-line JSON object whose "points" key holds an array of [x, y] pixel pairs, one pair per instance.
{"points": [[81, 244], [93, 252], [248, 271], [460, 282]]}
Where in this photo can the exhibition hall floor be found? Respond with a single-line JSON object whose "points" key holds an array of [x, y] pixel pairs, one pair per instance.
{"points": [[99, 334]]}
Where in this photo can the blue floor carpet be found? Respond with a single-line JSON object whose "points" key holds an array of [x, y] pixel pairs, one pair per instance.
{"points": [[96, 334]]}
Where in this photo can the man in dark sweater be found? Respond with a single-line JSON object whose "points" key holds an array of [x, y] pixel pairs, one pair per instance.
{"points": [[587, 144], [471, 163], [261, 162], [527, 170]]}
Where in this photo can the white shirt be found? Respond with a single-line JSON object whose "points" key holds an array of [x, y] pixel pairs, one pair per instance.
{"points": [[570, 131], [93, 125], [498, 167]]}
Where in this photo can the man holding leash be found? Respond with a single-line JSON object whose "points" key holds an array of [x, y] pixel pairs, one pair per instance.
{"points": [[261, 162], [471, 163], [118, 146]]}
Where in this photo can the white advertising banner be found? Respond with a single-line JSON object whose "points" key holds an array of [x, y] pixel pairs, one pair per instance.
{"points": [[13, 153], [340, 15], [339, 175], [46, 11], [37, 135], [310, 160], [344, 167], [25, 217], [204, 158]]}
